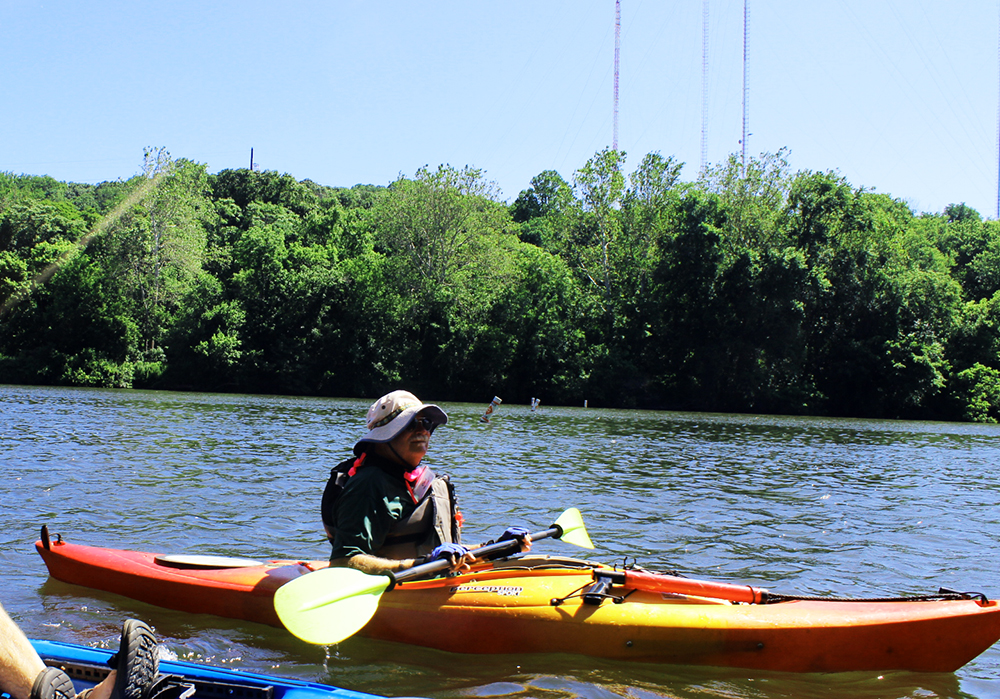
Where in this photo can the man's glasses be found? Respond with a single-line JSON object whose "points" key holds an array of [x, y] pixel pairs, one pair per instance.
{"points": [[422, 423]]}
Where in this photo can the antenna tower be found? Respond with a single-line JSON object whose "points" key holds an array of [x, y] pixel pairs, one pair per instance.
{"points": [[704, 86], [746, 91], [618, 44], [998, 140]]}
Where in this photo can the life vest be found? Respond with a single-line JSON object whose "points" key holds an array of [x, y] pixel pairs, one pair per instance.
{"points": [[435, 519]]}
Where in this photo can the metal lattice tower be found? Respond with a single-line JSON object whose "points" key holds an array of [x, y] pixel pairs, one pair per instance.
{"points": [[704, 86], [618, 44], [746, 91]]}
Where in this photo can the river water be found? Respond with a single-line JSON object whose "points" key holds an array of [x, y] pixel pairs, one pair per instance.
{"points": [[796, 505]]}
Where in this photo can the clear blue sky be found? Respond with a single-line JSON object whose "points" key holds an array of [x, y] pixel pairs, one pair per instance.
{"points": [[899, 96]]}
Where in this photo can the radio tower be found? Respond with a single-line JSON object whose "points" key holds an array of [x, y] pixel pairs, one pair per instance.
{"points": [[704, 86], [618, 44], [746, 92]]}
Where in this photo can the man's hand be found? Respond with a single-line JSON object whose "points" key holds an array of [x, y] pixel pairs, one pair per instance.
{"points": [[522, 535], [457, 554]]}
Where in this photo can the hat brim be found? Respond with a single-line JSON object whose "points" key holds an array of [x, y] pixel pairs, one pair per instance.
{"points": [[388, 432]]}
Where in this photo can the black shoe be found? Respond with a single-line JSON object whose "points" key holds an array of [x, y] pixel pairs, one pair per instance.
{"points": [[52, 683], [136, 661]]}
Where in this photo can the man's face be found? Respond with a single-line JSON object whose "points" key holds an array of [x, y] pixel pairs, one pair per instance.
{"points": [[411, 444]]}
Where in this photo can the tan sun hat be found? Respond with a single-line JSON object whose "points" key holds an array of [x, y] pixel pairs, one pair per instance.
{"points": [[392, 413]]}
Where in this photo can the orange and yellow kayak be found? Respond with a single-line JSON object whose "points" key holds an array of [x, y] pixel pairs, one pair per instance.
{"points": [[539, 604]]}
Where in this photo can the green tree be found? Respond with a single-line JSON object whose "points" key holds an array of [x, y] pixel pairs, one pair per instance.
{"points": [[601, 185], [544, 314], [158, 247], [244, 186], [447, 241], [440, 223], [543, 211], [74, 330], [34, 236], [549, 195], [754, 194]]}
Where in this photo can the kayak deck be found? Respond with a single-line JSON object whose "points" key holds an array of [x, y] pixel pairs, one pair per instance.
{"points": [[798, 636], [238, 593], [535, 604]]}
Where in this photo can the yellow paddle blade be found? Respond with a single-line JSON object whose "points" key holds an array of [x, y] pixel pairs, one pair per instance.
{"points": [[573, 531], [329, 605]]}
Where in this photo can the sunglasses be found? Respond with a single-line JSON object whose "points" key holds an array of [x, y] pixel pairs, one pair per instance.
{"points": [[422, 423]]}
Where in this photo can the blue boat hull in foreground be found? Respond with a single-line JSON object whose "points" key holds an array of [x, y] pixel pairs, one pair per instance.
{"points": [[87, 666]]}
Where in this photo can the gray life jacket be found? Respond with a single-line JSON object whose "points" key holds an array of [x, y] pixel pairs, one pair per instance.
{"points": [[434, 521]]}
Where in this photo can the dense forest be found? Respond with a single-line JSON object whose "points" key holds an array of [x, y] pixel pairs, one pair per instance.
{"points": [[752, 289]]}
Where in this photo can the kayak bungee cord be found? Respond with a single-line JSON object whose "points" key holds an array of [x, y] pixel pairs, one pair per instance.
{"points": [[637, 578], [942, 595]]}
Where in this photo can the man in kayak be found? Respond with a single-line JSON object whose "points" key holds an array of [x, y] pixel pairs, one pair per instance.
{"points": [[23, 675], [385, 511]]}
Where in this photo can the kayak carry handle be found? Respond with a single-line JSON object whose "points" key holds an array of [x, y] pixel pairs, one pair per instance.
{"points": [[978, 596], [598, 592]]}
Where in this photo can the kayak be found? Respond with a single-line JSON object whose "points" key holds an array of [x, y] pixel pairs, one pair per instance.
{"points": [[87, 666], [544, 604]]}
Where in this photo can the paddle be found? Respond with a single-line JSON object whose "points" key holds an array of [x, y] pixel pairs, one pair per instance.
{"points": [[331, 604]]}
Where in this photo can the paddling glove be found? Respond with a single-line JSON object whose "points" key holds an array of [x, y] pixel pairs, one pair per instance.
{"points": [[514, 533], [452, 551]]}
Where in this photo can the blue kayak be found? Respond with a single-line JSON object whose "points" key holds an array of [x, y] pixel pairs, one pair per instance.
{"points": [[87, 666]]}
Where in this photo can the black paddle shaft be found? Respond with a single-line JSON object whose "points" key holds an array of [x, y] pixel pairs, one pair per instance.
{"points": [[486, 552]]}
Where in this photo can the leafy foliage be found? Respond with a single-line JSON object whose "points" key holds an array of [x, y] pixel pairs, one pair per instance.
{"points": [[751, 289]]}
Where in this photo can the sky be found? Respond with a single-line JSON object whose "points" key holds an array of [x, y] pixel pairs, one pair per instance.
{"points": [[896, 96]]}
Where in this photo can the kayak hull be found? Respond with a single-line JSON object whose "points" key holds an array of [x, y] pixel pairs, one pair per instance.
{"points": [[795, 636], [86, 666], [534, 605]]}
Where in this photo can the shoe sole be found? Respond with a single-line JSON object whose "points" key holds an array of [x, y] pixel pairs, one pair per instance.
{"points": [[138, 662]]}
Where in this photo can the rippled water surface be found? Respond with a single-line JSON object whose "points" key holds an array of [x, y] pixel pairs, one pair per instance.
{"points": [[797, 505]]}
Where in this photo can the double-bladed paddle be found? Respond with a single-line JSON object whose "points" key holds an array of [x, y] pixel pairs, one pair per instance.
{"points": [[331, 604]]}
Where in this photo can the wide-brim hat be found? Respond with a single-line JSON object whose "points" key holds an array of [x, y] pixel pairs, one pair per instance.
{"points": [[392, 413]]}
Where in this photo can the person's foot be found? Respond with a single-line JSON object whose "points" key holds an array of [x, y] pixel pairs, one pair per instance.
{"points": [[136, 663]]}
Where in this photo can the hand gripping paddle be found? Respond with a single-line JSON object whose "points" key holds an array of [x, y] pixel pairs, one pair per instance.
{"points": [[329, 605]]}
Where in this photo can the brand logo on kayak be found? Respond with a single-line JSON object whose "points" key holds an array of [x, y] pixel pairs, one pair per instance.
{"points": [[503, 590]]}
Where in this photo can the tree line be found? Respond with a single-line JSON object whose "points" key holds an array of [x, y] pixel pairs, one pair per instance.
{"points": [[751, 289]]}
